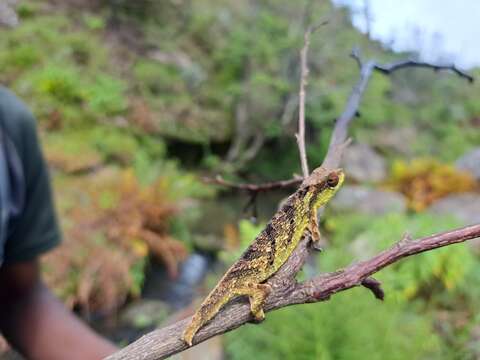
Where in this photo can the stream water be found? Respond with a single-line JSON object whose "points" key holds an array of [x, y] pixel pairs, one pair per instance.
{"points": [[180, 292]]}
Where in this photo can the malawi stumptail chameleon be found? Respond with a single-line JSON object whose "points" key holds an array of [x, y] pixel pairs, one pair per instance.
{"points": [[270, 249]]}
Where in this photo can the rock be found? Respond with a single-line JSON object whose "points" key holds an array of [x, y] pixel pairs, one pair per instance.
{"points": [[367, 200], [8, 15], [465, 207], [362, 163], [401, 141], [470, 162]]}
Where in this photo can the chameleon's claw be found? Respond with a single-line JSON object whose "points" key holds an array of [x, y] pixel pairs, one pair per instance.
{"points": [[259, 316], [188, 341], [187, 336]]}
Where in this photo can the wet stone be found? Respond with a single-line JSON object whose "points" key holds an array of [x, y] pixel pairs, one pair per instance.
{"points": [[363, 164], [362, 199], [465, 207], [470, 162]]}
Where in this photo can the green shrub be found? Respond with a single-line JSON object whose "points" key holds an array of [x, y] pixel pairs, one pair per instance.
{"points": [[350, 326], [425, 275], [106, 96], [62, 69], [61, 83]]}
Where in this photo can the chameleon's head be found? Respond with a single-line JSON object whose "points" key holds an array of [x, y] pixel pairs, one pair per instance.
{"points": [[323, 184]]}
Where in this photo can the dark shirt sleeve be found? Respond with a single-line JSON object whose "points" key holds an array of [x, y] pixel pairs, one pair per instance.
{"points": [[35, 230]]}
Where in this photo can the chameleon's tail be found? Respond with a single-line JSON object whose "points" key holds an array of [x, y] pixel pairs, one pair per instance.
{"points": [[219, 296]]}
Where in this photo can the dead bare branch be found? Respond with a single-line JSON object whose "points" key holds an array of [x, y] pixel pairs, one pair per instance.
{"points": [[300, 136], [340, 132], [375, 287], [255, 187], [301, 109], [389, 68]]}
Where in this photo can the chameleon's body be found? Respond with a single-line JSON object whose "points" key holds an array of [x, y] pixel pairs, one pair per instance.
{"points": [[270, 250]]}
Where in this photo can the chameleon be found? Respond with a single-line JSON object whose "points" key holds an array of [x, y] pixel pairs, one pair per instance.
{"points": [[270, 250]]}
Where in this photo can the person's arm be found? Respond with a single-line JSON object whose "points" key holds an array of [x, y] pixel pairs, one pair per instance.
{"points": [[37, 324]]}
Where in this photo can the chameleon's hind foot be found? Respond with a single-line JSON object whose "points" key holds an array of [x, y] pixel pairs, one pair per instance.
{"points": [[188, 335], [192, 328], [258, 317], [257, 293]]}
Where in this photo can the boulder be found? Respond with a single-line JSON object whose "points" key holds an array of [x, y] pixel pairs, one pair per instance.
{"points": [[363, 164], [367, 200], [470, 162], [465, 207]]}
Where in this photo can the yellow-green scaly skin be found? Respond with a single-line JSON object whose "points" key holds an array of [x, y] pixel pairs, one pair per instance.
{"points": [[270, 250]]}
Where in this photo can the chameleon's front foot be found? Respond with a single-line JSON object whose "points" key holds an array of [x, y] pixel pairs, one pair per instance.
{"points": [[314, 233]]}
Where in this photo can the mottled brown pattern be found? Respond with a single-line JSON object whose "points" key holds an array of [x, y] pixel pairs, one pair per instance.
{"points": [[269, 251]]}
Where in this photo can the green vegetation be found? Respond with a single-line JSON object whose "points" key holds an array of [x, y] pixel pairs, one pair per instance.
{"points": [[440, 270], [351, 326], [136, 99]]}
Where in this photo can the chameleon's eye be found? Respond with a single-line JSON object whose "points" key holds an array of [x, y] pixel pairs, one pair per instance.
{"points": [[332, 180]]}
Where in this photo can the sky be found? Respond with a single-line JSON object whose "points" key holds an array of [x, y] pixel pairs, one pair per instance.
{"points": [[439, 30]]}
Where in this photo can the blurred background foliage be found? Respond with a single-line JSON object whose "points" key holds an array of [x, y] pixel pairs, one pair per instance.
{"points": [[136, 101]]}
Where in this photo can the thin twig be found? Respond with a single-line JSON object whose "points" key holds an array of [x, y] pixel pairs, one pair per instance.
{"points": [[301, 108], [375, 287], [355, 55], [389, 68], [273, 185]]}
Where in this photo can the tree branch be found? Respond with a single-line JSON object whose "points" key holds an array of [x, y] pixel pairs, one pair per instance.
{"points": [[301, 110], [273, 185], [286, 291], [339, 136], [389, 68]]}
